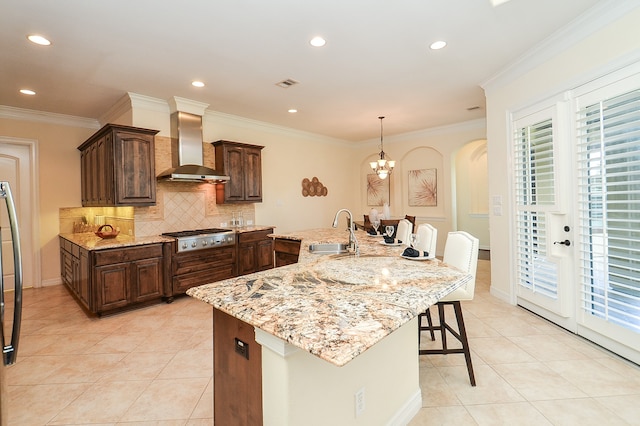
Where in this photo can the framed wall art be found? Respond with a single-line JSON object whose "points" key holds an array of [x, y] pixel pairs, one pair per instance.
{"points": [[377, 190], [423, 188]]}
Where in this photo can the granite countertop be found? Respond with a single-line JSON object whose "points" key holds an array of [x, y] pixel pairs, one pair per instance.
{"points": [[90, 241], [335, 306], [251, 228]]}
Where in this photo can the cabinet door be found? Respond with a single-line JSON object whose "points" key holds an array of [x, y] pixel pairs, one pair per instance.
{"points": [[286, 251], [83, 278], [66, 268], [134, 169], [148, 279], [102, 171], [85, 185], [112, 285], [234, 167], [264, 258], [247, 258], [89, 174], [252, 175]]}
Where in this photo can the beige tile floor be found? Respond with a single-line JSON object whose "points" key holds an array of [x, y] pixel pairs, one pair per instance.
{"points": [[153, 366]]}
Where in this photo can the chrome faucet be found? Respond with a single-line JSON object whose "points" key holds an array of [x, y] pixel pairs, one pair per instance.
{"points": [[353, 241]]}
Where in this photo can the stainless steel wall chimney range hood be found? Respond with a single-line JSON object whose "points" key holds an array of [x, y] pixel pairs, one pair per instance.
{"points": [[186, 152]]}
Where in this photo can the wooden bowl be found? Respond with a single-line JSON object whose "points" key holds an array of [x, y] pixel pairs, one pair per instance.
{"points": [[107, 231]]}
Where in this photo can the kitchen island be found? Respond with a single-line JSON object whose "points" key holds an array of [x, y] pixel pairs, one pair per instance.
{"points": [[335, 326]]}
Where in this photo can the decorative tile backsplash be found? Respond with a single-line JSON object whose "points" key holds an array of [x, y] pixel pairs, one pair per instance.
{"points": [[186, 205], [89, 219]]}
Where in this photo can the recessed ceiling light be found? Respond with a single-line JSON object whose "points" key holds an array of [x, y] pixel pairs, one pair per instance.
{"points": [[27, 92], [436, 45], [318, 41], [38, 39], [292, 110], [197, 83]]}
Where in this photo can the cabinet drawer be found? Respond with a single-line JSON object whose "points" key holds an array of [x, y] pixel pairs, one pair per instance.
{"points": [[248, 237], [66, 244], [107, 257], [203, 259], [287, 246]]}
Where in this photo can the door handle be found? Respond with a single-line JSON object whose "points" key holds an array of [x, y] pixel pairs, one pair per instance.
{"points": [[565, 242]]}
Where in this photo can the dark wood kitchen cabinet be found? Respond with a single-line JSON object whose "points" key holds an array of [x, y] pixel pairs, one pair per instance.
{"points": [[199, 267], [118, 167], [286, 251], [255, 251], [237, 371], [75, 271], [128, 276], [109, 280], [243, 164]]}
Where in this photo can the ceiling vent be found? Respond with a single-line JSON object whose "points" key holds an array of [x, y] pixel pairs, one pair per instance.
{"points": [[285, 84]]}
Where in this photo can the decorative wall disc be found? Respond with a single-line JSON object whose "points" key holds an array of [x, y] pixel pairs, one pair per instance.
{"points": [[313, 188]]}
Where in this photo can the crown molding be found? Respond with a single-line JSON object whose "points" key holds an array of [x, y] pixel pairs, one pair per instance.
{"points": [[479, 124], [148, 103], [591, 21], [243, 122], [187, 105], [117, 110], [14, 113]]}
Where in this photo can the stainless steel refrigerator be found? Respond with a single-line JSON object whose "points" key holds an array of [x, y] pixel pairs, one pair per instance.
{"points": [[9, 303]]}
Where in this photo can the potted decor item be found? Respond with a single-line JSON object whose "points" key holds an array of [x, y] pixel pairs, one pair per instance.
{"points": [[107, 231]]}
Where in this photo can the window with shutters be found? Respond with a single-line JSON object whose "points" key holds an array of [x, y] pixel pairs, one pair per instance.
{"points": [[608, 149], [535, 195]]}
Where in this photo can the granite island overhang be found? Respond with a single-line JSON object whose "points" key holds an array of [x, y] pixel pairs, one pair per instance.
{"points": [[359, 314], [335, 306]]}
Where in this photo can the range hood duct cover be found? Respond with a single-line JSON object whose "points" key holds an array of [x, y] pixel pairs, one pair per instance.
{"points": [[187, 157]]}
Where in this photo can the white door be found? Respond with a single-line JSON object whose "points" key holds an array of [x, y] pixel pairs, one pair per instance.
{"points": [[576, 186], [541, 192], [608, 212], [16, 167]]}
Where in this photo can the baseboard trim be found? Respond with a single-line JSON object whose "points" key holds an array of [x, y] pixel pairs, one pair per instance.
{"points": [[408, 411]]}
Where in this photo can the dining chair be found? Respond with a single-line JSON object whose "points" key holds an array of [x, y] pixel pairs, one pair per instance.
{"points": [[411, 219], [403, 232], [392, 222], [427, 238], [427, 242], [460, 251]]}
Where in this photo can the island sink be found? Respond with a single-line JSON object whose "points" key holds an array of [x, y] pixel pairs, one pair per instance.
{"points": [[329, 248]]}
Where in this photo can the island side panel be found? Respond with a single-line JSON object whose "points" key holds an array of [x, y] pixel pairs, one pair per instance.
{"points": [[237, 393], [300, 388]]}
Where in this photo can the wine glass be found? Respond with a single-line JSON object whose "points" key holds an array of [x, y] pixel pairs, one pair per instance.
{"points": [[389, 230], [376, 225], [414, 239]]}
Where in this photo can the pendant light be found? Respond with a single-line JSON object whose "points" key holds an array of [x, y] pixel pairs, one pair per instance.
{"points": [[382, 167]]}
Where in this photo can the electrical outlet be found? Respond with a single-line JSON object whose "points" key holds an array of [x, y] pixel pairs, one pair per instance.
{"points": [[223, 224], [242, 348], [359, 400], [249, 222]]}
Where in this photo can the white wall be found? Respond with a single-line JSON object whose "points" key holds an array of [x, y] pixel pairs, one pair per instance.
{"points": [[596, 52]]}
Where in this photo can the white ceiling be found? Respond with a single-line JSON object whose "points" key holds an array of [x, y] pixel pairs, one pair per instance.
{"points": [[376, 61]]}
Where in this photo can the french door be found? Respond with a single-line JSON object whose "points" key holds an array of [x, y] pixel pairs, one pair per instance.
{"points": [[577, 218], [543, 229]]}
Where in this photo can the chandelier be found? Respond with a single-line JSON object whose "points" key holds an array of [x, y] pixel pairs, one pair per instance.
{"points": [[382, 167]]}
